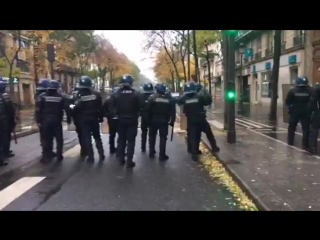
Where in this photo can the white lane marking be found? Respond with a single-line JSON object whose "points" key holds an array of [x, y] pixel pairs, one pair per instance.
{"points": [[255, 122], [73, 152], [16, 189], [248, 123], [279, 141]]}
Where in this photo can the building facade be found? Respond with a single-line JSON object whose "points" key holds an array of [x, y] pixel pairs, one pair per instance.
{"points": [[24, 88], [254, 65], [216, 70]]}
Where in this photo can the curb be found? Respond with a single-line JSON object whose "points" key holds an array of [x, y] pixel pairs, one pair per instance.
{"points": [[247, 190], [25, 133]]}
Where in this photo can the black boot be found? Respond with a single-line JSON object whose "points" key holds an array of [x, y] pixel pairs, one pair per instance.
{"points": [[163, 158], [122, 161], [90, 159], [215, 149], [130, 164], [3, 162], [195, 157], [60, 158], [9, 155], [113, 150]]}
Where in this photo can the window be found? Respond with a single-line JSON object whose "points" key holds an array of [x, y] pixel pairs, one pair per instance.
{"points": [[283, 35], [269, 39], [293, 74], [24, 43], [258, 44], [23, 65], [299, 32], [266, 85]]}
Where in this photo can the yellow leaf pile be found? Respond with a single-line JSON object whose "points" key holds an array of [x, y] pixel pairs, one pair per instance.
{"points": [[218, 172]]}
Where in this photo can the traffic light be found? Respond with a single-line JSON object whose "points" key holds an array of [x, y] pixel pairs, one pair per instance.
{"points": [[51, 52], [234, 32], [231, 95]]}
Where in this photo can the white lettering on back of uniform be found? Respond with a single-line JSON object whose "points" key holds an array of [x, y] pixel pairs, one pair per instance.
{"points": [[161, 100], [126, 91], [52, 99], [194, 100], [88, 98]]}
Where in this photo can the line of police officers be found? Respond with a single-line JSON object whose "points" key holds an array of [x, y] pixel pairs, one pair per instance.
{"points": [[303, 103], [122, 109]]}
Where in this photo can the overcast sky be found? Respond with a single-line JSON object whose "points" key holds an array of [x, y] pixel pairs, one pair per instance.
{"points": [[130, 42]]}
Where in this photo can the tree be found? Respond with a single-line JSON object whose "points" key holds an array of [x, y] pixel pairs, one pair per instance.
{"points": [[5, 69], [275, 75], [10, 50], [36, 56], [164, 69], [183, 49], [135, 71], [79, 45], [164, 40]]}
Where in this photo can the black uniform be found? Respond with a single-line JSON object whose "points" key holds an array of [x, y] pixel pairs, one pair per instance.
{"points": [[72, 99], [144, 120], [89, 113], [298, 100], [3, 130], [126, 104], [161, 111], [49, 116], [314, 107], [11, 124], [193, 108], [113, 125]]}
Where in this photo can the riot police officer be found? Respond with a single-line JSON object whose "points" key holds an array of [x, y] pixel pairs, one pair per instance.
{"points": [[72, 99], [161, 111], [6, 107], [112, 122], [89, 112], [147, 90], [10, 118], [193, 108], [41, 89], [314, 108], [126, 104], [206, 126], [49, 116], [297, 101]]}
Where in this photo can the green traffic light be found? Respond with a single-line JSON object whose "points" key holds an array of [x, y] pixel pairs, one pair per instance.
{"points": [[232, 31], [231, 95]]}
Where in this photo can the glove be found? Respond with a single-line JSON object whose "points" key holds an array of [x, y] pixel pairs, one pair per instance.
{"points": [[171, 123], [100, 120]]}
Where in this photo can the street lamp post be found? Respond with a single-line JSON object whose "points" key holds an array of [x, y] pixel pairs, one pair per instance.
{"points": [[241, 50], [204, 75]]}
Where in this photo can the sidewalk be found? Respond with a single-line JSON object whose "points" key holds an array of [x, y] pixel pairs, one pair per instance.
{"points": [[28, 149], [276, 176], [178, 184]]}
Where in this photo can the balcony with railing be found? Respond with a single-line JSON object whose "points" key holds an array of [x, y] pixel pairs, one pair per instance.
{"points": [[298, 40], [268, 52]]}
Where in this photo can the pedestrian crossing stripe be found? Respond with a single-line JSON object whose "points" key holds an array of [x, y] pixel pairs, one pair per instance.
{"points": [[249, 124], [15, 190]]}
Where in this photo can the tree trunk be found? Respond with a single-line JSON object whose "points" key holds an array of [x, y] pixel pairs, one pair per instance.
{"points": [[172, 81], [188, 55], [209, 72], [195, 55], [275, 76]]}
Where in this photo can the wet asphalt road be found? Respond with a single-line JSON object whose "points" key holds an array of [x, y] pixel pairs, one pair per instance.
{"points": [[178, 184]]}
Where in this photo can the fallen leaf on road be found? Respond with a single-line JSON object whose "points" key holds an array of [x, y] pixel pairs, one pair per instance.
{"points": [[217, 171]]}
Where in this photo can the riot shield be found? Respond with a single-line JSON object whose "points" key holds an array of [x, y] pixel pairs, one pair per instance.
{"points": [[105, 126], [285, 90]]}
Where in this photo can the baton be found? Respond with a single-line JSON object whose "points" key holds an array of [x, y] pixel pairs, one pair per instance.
{"points": [[171, 133]]}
